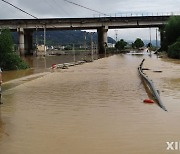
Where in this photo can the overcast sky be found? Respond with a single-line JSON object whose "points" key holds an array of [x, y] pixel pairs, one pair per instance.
{"points": [[61, 8]]}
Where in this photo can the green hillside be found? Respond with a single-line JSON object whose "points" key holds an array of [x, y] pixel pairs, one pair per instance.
{"points": [[63, 37]]}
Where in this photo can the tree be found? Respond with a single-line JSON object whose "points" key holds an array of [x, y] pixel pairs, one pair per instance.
{"points": [[6, 42], [120, 45], [171, 40], [138, 43], [172, 30], [9, 60]]}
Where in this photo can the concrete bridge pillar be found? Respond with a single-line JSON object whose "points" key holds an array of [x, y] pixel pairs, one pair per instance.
{"points": [[25, 41], [102, 39], [21, 41], [28, 41]]}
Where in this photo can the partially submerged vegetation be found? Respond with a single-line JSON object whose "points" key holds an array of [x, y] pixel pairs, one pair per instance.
{"points": [[174, 50], [9, 60], [171, 40], [124, 47], [138, 43], [120, 45]]}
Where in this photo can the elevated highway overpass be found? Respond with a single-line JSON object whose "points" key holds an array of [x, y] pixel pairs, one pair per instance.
{"points": [[25, 27]]}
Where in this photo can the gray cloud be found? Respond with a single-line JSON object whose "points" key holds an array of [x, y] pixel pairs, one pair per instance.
{"points": [[60, 8]]}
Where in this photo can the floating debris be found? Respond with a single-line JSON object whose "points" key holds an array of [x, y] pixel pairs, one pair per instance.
{"points": [[158, 71], [66, 65], [145, 69], [149, 101]]}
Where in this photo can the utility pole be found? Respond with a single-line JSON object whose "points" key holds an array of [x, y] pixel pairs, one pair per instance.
{"points": [[150, 34], [36, 42], [116, 33], [74, 54], [92, 44], [156, 38], [85, 46], [36, 38], [44, 40]]}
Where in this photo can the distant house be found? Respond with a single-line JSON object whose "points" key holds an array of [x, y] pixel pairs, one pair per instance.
{"points": [[59, 47], [50, 47], [110, 45], [41, 50]]}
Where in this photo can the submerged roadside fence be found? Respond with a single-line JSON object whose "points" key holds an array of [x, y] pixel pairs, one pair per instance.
{"points": [[151, 86]]}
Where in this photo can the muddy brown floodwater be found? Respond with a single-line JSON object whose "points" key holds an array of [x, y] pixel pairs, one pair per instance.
{"points": [[94, 108]]}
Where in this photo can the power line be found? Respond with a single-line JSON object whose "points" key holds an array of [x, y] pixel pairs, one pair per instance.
{"points": [[86, 7], [20, 9], [62, 7]]}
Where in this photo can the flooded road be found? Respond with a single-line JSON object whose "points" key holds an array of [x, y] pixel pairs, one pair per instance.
{"points": [[42, 64], [94, 108]]}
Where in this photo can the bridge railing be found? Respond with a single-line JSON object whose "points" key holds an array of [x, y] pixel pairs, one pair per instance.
{"points": [[138, 14]]}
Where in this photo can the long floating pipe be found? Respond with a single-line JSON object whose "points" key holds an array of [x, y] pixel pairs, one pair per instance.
{"points": [[151, 86]]}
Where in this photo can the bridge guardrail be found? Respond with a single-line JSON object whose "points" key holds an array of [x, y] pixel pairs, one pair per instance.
{"points": [[138, 14]]}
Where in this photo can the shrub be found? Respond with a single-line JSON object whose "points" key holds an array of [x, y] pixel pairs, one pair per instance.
{"points": [[13, 62], [9, 60]]}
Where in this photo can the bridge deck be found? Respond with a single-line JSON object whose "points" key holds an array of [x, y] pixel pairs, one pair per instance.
{"points": [[86, 23]]}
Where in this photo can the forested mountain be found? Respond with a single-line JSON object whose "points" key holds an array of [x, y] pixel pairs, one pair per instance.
{"points": [[62, 37]]}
